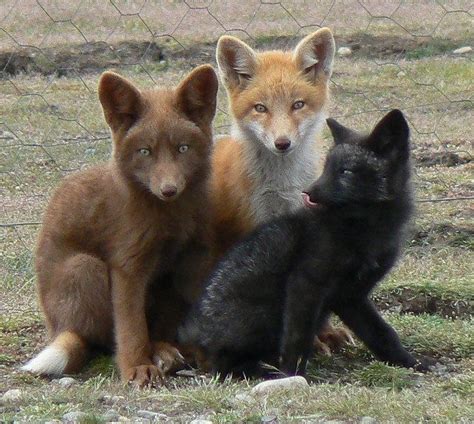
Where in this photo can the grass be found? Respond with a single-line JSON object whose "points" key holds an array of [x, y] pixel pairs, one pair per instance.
{"points": [[51, 126]]}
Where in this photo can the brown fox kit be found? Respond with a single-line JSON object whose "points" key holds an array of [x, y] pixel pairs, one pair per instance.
{"points": [[277, 101], [110, 230]]}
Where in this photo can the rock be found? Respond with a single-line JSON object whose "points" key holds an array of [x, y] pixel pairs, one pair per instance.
{"points": [[200, 421], [269, 419], [65, 381], [12, 395], [111, 415], [270, 386], [53, 422], [462, 50], [150, 415], [111, 400], [368, 420], [401, 74], [74, 416], [344, 51]]}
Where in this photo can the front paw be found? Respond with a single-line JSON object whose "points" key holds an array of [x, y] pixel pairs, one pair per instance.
{"points": [[424, 364], [331, 339], [143, 376], [167, 358]]}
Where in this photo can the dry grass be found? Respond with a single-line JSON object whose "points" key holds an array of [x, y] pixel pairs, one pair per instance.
{"points": [[51, 126]]}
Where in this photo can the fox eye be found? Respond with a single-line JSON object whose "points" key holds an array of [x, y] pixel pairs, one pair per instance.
{"points": [[346, 172], [144, 152], [183, 148], [260, 108], [298, 105]]}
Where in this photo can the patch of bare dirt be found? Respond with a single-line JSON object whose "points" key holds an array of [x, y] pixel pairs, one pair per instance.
{"points": [[444, 235], [411, 301], [448, 159]]}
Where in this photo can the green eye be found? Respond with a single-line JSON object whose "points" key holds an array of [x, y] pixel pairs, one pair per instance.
{"points": [[298, 105], [183, 148], [144, 152], [260, 108]]}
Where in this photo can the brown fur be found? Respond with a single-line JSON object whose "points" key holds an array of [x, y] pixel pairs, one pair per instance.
{"points": [[108, 231]]}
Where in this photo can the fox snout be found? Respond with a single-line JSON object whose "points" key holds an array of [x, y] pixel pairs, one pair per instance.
{"points": [[282, 143], [169, 191]]}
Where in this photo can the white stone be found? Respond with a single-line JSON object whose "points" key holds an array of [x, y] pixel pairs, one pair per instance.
{"points": [[12, 395], [462, 50], [401, 74], [270, 386], [200, 421], [344, 51], [368, 420], [74, 416], [150, 415], [65, 381]]}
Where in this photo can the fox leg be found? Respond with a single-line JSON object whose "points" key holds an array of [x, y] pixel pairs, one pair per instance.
{"points": [[331, 338], [361, 316], [75, 297]]}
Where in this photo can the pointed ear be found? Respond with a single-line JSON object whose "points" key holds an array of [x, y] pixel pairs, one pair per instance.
{"points": [[314, 54], [340, 133], [390, 136], [196, 96], [121, 101], [236, 60]]}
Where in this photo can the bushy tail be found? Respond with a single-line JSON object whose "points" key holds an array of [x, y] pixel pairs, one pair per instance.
{"points": [[66, 354]]}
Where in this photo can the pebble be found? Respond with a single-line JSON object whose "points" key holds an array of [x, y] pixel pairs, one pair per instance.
{"points": [[368, 420], [462, 50], [12, 395], [150, 415], [200, 421], [111, 415], [110, 400], [270, 386], [401, 74], [65, 381], [269, 419], [53, 422], [344, 51], [74, 416]]}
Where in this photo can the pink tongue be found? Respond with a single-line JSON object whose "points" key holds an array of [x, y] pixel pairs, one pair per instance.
{"points": [[307, 201]]}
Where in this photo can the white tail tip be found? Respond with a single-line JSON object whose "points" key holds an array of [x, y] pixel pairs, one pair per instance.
{"points": [[50, 361]]}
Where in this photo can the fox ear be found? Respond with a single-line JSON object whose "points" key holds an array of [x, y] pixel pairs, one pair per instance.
{"points": [[390, 136], [236, 60], [196, 96], [340, 133], [121, 101], [314, 54]]}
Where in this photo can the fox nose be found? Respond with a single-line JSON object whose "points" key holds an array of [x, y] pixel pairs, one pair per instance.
{"points": [[169, 191], [282, 143]]}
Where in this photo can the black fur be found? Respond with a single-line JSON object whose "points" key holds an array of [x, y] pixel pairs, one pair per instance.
{"points": [[269, 295]]}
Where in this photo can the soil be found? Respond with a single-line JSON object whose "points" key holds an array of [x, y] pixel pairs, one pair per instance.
{"points": [[96, 57]]}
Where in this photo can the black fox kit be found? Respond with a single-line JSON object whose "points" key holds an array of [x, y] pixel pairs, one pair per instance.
{"points": [[270, 294]]}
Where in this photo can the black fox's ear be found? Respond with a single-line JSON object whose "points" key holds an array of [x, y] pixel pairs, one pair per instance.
{"points": [[390, 136], [236, 60], [196, 96], [340, 133], [121, 101], [314, 54]]}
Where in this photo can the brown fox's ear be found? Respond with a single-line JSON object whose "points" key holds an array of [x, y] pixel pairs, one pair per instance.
{"points": [[121, 101], [236, 60], [314, 54], [196, 96]]}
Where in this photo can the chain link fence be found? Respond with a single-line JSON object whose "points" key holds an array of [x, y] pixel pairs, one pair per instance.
{"points": [[412, 55]]}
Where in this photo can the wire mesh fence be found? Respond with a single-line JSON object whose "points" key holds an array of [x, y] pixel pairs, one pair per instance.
{"points": [[405, 54]]}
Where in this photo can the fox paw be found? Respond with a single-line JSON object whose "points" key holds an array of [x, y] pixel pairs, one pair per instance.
{"points": [[143, 376], [331, 339], [167, 358]]}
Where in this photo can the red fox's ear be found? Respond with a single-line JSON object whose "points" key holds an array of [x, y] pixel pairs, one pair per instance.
{"points": [[121, 101], [314, 54], [196, 96], [236, 60]]}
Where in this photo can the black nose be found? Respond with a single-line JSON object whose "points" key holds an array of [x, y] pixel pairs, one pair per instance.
{"points": [[282, 143], [169, 191]]}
